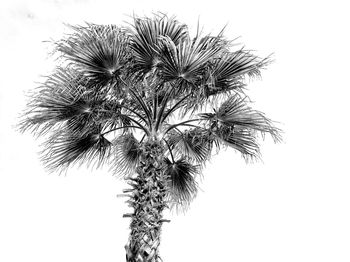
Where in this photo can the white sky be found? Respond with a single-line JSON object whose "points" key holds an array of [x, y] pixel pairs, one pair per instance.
{"points": [[293, 207]]}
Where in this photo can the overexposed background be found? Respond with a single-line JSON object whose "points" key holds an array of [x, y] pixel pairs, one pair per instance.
{"points": [[295, 206]]}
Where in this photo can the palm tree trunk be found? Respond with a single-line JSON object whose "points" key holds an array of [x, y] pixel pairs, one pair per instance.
{"points": [[148, 201]]}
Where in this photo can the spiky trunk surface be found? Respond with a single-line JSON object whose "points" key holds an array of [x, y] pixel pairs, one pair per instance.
{"points": [[148, 201]]}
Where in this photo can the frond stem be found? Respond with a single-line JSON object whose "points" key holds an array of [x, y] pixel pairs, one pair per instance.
{"points": [[137, 123], [118, 128], [144, 107], [134, 112], [171, 154], [180, 124], [161, 120]]}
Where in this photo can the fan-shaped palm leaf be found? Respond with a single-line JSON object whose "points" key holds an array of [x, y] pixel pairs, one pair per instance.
{"points": [[126, 152], [188, 61], [99, 51], [228, 70], [243, 140], [64, 96], [145, 39], [236, 112], [64, 149], [182, 184], [195, 144]]}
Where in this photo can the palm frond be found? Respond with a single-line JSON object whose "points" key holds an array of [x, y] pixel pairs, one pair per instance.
{"points": [[242, 140], [188, 61], [236, 112], [64, 96], [181, 182], [126, 152], [228, 70], [195, 144], [63, 149], [145, 39], [99, 51], [225, 76]]}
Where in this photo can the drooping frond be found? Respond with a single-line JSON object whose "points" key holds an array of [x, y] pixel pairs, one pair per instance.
{"points": [[236, 112], [64, 96], [63, 149], [243, 140], [145, 39], [126, 152], [99, 51], [195, 144], [181, 181], [228, 71]]}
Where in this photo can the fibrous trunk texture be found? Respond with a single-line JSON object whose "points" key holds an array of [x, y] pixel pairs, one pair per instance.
{"points": [[147, 198]]}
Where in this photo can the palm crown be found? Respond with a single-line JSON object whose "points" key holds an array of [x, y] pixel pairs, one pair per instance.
{"points": [[118, 88]]}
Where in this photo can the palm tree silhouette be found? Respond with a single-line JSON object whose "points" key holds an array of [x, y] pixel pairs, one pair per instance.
{"points": [[152, 102]]}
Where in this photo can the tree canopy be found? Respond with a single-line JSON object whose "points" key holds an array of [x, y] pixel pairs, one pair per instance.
{"points": [[118, 86]]}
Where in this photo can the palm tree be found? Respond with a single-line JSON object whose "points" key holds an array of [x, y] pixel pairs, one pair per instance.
{"points": [[153, 103]]}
